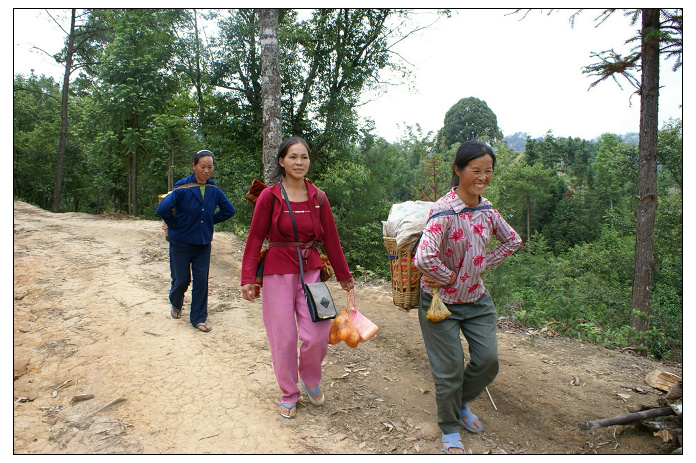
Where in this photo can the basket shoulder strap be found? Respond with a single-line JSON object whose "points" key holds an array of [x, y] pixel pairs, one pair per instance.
{"points": [[449, 212], [191, 185], [465, 209]]}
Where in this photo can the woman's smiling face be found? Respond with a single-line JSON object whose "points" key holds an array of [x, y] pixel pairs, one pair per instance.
{"points": [[296, 161], [474, 178]]}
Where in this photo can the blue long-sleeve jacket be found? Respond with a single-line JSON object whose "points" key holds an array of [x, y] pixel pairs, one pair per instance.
{"points": [[189, 216]]}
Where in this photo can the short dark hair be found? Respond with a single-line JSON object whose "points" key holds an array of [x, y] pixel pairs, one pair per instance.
{"points": [[467, 152], [201, 154], [279, 171]]}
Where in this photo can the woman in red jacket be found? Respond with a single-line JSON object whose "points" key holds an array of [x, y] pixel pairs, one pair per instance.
{"points": [[285, 312]]}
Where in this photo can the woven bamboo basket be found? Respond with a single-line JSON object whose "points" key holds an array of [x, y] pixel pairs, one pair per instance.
{"points": [[405, 277]]}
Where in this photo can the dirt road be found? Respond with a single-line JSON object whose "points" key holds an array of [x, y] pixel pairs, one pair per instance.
{"points": [[91, 318]]}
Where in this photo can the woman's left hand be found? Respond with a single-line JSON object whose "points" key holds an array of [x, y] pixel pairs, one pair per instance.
{"points": [[430, 281], [348, 284]]}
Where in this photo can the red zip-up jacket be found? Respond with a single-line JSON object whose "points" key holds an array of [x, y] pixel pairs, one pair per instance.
{"points": [[281, 259]]}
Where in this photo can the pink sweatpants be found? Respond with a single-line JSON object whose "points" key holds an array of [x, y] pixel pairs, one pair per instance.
{"points": [[285, 313]]}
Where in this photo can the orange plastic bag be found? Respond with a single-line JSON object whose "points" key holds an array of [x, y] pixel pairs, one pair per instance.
{"points": [[343, 329], [350, 326]]}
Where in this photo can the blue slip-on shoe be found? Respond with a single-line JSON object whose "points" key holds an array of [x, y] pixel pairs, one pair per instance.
{"points": [[452, 441], [471, 420]]}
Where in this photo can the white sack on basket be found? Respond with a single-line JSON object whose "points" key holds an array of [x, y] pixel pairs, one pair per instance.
{"points": [[407, 220]]}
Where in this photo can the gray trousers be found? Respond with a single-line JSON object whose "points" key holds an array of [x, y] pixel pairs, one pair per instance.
{"points": [[456, 382]]}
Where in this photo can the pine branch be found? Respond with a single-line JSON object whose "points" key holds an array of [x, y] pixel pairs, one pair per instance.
{"points": [[611, 64]]}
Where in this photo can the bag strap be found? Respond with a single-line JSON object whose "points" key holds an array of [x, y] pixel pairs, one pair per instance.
{"points": [[294, 228], [257, 187], [191, 185], [301, 244], [465, 209], [449, 212]]}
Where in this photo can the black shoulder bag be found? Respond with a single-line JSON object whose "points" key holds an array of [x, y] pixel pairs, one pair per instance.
{"points": [[319, 300]]}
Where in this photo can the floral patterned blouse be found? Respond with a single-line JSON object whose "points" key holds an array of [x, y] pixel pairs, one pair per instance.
{"points": [[457, 243]]}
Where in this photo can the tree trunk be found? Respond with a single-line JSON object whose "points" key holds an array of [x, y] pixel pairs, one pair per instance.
{"points": [[133, 200], [529, 213], [647, 173], [130, 181], [64, 116], [270, 90], [198, 83], [170, 173], [134, 186]]}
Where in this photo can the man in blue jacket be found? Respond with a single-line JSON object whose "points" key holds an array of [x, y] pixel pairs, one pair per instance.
{"points": [[189, 215]]}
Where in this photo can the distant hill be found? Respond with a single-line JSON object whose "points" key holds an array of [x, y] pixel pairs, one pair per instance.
{"points": [[518, 140], [630, 138]]}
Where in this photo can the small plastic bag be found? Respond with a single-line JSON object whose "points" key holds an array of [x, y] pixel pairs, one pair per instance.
{"points": [[343, 329], [350, 326], [437, 311], [333, 331], [366, 329]]}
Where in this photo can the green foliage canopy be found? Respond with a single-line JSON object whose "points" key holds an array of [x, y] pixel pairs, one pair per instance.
{"points": [[469, 119], [139, 91]]}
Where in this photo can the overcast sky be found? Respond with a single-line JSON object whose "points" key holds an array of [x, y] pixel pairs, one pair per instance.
{"points": [[528, 71]]}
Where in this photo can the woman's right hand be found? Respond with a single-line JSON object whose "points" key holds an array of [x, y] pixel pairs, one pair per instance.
{"points": [[249, 292], [348, 284]]}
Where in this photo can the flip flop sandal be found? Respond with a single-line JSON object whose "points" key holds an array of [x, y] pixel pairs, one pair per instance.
{"points": [[452, 441], [316, 396], [176, 313], [470, 420], [290, 413], [204, 327]]}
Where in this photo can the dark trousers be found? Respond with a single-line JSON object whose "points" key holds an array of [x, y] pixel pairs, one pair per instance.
{"points": [[186, 260], [455, 383]]}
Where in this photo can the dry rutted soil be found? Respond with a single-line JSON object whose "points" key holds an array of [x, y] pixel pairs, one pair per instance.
{"points": [[91, 321]]}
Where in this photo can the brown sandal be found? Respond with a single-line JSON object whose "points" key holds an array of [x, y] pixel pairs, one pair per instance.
{"points": [[176, 313]]}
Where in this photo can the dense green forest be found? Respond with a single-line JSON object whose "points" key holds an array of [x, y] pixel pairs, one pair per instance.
{"points": [[146, 91]]}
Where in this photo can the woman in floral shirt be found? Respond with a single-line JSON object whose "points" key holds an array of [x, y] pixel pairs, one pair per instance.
{"points": [[452, 256]]}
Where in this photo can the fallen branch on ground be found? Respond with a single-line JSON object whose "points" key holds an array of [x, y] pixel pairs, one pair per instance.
{"points": [[627, 418], [113, 402], [81, 397]]}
